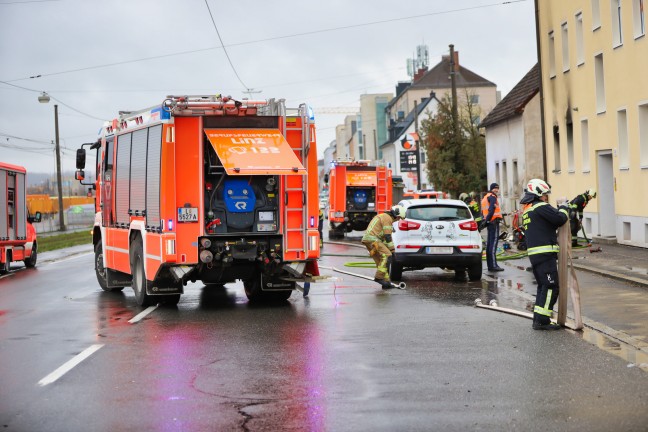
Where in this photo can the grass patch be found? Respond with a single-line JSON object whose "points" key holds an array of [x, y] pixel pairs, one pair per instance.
{"points": [[59, 241]]}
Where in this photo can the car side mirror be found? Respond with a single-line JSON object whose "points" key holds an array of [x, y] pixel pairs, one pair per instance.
{"points": [[36, 218], [326, 178], [79, 175]]}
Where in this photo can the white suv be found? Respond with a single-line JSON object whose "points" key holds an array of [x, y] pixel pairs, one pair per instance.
{"points": [[437, 233]]}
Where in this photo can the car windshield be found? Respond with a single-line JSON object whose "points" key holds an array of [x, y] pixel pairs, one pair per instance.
{"points": [[438, 213]]}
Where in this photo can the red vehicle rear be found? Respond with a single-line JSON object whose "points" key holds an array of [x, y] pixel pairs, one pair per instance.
{"points": [[17, 234]]}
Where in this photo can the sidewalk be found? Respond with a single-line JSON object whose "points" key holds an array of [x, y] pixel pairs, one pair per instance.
{"points": [[626, 263]]}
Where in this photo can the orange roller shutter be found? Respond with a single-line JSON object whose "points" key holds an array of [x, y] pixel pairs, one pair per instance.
{"points": [[254, 152]]}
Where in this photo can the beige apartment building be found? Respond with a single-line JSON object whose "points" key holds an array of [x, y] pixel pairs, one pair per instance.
{"points": [[594, 72]]}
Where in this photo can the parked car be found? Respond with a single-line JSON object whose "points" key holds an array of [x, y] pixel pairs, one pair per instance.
{"points": [[437, 233]]}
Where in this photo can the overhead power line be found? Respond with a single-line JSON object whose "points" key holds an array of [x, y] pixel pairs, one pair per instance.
{"points": [[223, 46], [294, 35]]}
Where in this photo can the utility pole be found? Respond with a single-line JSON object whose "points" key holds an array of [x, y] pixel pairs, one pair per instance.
{"points": [[418, 149], [375, 145], [453, 82], [58, 171]]}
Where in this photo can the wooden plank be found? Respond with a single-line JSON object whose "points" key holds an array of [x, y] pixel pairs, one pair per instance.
{"points": [[574, 291], [564, 241]]}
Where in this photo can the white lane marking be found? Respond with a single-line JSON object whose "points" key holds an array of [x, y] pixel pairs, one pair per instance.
{"points": [[142, 314], [73, 257], [67, 366]]}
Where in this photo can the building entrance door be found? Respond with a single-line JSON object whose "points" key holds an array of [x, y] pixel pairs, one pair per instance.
{"points": [[607, 212]]}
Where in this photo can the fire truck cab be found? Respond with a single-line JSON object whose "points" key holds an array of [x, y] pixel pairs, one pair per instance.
{"points": [[358, 191], [17, 234], [206, 188]]}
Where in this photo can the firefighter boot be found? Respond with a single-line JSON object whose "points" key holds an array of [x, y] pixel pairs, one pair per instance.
{"points": [[539, 325], [383, 283]]}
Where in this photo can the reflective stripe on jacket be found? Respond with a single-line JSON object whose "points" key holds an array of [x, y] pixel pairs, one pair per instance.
{"points": [[379, 227], [540, 221]]}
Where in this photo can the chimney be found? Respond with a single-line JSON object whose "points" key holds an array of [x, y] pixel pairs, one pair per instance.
{"points": [[419, 74]]}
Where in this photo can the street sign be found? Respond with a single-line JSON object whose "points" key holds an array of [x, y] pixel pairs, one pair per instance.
{"points": [[408, 161]]}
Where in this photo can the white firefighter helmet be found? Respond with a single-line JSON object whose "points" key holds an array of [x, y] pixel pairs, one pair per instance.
{"points": [[591, 192], [463, 196], [398, 211], [538, 187]]}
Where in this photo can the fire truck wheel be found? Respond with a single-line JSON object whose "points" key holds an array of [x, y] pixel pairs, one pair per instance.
{"points": [[100, 271], [255, 294], [31, 261], [5, 267], [139, 275], [169, 300]]}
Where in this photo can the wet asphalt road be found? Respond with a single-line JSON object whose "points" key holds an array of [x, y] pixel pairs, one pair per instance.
{"points": [[348, 357]]}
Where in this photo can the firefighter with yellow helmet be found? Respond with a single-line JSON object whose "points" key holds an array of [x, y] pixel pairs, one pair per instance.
{"points": [[378, 241]]}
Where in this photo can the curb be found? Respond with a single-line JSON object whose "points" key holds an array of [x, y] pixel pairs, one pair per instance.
{"points": [[612, 275]]}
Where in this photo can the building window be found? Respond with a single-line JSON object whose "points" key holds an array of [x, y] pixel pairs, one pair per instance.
{"points": [[565, 46], [504, 179], [497, 173], [617, 28], [622, 129], [596, 14], [556, 148], [570, 147], [552, 55], [516, 180], [600, 84], [643, 135], [639, 18], [580, 45], [585, 145], [474, 99]]}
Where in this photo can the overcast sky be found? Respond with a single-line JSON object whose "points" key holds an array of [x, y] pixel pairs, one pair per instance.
{"points": [[99, 57]]}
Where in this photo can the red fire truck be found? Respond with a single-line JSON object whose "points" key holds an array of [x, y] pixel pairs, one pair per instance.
{"points": [[17, 234], [358, 191], [206, 188]]}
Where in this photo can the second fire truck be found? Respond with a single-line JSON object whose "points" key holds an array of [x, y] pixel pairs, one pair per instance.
{"points": [[358, 191]]}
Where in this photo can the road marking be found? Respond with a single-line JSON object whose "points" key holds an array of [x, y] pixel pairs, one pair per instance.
{"points": [[142, 314], [67, 366]]}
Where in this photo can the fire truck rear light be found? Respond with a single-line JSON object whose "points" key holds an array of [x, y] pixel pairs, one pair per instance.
{"points": [[312, 221], [170, 247]]}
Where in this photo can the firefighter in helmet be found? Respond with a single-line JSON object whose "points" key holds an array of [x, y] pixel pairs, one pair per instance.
{"points": [[540, 222], [577, 205], [378, 241]]}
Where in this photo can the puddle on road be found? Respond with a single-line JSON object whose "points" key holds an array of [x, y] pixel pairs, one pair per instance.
{"points": [[508, 293], [634, 356]]}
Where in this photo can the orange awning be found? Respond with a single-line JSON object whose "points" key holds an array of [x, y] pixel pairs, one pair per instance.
{"points": [[254, 152]]}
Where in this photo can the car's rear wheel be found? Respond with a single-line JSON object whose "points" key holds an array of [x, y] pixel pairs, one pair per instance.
{"points": [[475, 271], [395, 270]]}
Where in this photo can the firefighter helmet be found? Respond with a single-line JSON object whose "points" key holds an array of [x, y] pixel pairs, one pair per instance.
{"points": [[538, 187], [591, 192], [463, 196], [398, 211]]}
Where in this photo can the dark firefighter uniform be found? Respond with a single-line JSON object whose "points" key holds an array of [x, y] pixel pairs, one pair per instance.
{"points": [[320, 227], [540, 221], [577, 205], [378, 241]]}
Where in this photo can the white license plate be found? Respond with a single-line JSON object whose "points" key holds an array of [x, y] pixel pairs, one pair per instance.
{"points": [[438, 250], [187, 214]]}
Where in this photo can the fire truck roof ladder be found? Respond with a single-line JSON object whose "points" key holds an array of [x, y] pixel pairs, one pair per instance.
{"points": [[381, 188], [298, 184]]}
